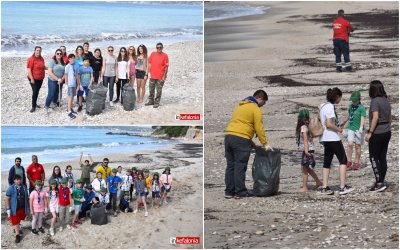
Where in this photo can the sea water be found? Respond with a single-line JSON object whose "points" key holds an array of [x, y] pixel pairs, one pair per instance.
{"points": [[224, 10], [25, 25], [54, 144]]}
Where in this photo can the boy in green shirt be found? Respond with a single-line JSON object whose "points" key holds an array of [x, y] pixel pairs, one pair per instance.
{"points": [[355, 134], [77, 196]]}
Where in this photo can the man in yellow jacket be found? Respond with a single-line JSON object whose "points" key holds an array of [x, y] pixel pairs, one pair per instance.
{"points": [[245, 122]]}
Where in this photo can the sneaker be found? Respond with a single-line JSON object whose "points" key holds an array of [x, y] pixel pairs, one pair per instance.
{"points": [[339, 69], [326, 190], [73, 112], [149, 103], [80, 108], [74, 225], [52, 231], [146, 214], [41, 230], [135, 211], [116, 100], [111, 104], [348, 164], [156, 105], [115, 214], [345, 190], [38, 107], [18, 238], [356, 166], [244, 196], [34, 231], [228, 196], [71, 116], [60, 229], [378, 187], [32, 110], [349, 69], [68, 227]]}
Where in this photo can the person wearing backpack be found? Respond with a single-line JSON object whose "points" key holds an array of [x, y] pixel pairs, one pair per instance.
{"points": [[305, 144], [332, 142], [355, 134]]}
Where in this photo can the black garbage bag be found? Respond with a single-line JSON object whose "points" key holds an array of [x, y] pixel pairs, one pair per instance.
{"points": [[266, 169], [128, 97], [96, 99], [98, 214]]}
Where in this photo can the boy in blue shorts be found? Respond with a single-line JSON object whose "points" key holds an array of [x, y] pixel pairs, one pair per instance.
{"points": [[71, 71], [85, 79]]}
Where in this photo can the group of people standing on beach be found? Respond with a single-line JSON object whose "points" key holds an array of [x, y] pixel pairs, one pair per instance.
{"points": [[81, 69], [66, 194], [247, 121]]}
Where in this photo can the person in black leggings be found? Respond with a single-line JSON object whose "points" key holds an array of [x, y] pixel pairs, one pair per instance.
{"points": [[36, 74], [97, 64], [332, 142], [379, 133]]}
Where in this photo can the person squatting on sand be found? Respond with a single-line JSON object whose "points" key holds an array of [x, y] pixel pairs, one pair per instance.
{"points": [[245, 122]]}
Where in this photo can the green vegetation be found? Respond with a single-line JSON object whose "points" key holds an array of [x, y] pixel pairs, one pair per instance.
{"points": [[171, 131]]}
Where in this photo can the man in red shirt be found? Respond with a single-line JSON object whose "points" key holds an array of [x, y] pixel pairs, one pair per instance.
{"points": [[34, 172], [341, 30], [158, 68]]}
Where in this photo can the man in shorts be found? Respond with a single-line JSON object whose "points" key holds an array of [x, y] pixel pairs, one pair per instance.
{"points": [[17, 205]]}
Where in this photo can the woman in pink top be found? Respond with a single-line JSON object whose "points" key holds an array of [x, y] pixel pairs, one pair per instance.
{"points": [[132, 65], [166, 181], [38, 205]]}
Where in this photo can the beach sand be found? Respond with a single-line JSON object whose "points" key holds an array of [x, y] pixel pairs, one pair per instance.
{"points": [[182, 94], [182, 216], [288, 52]]}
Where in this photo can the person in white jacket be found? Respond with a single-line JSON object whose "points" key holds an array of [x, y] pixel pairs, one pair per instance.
{"points": [[98, 183]]}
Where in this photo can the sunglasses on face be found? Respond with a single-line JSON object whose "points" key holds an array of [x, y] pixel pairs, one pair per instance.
{"points": [[105, 162], [110, 50], [58, 54], [159, 47]]}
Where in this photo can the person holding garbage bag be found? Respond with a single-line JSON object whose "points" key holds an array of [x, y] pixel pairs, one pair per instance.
{"points": [[246, 120]]}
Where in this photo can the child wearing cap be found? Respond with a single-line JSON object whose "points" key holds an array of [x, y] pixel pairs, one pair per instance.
{"points": [[126, 184], [52, 196], [166, 181], [103, 197], [140, 185], [305, 145], [77, 196], [355, 129], [90, 199], [124, 203], [98, 183], [38, 205], [64, 202], [155, 190], [113, 184]]}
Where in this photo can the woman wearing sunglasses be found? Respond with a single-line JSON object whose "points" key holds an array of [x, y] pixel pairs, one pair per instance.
{"points": [[55, 68], [109, 72], [36, 67]]}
